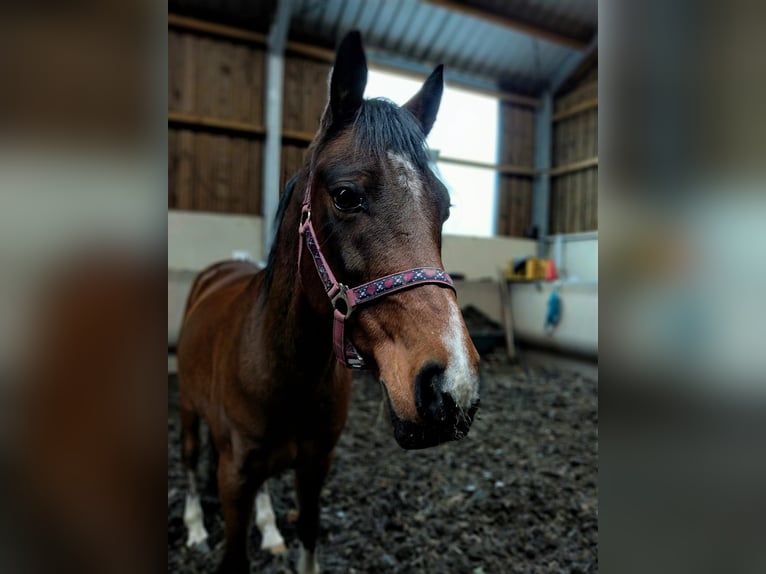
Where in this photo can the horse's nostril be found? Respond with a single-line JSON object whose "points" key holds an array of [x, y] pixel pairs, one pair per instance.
{"points": [[432, 404]]}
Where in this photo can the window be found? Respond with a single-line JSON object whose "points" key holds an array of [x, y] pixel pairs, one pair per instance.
{"points": [[466, 128]]}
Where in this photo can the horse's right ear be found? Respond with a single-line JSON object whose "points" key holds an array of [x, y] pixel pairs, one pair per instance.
{"points": [[349, 78]]}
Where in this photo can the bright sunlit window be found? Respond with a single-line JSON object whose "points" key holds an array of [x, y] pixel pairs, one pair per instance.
{"points": [[466, 128]]}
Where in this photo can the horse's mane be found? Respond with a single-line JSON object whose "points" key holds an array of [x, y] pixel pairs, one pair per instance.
{"points": [[381, 126], [284, 201]]}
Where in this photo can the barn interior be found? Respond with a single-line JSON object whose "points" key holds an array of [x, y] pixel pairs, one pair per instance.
{"points": [[537, 60], [247, 86]]}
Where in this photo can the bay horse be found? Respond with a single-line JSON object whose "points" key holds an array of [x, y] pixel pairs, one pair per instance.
{"points": [[264, 356]]}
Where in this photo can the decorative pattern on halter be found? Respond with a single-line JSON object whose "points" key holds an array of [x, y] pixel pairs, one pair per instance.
{"points": [[412, 277], [319, 262], [344, 299]]}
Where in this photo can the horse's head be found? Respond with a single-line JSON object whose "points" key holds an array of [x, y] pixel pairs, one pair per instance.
{"points": [[378, 209]]}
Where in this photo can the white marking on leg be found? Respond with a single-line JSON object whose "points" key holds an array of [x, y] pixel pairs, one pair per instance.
{"points": [[307, 562], [193, 516], [271, 539], [460, 378]]}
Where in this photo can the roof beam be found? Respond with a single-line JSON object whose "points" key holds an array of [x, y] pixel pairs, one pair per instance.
{"points": [[571, 63], [512, 24], [376, 59]]}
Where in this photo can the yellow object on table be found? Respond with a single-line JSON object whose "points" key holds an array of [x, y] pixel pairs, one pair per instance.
{"points": [[533, 270]]}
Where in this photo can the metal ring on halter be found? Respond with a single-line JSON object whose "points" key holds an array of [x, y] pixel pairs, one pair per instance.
{"points": [[305, 217], [340, 301]]}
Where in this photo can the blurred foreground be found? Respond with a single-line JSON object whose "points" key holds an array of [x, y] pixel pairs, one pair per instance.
{"points": [[82, 287], [683, 277]]}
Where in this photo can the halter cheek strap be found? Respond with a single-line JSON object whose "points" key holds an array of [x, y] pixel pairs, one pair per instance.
{"points": [[345, 299]]}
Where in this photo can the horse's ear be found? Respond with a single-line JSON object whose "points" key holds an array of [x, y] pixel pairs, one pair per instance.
{"points": [[348, 80], [425, 104]]}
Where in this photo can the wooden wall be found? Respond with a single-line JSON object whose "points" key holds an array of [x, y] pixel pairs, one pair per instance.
{"points": [[574, 193], [517, 147], [216, 128], [216, 131]]}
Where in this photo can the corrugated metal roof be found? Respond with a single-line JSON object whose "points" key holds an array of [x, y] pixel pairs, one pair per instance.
{"points": [[418, 34]]}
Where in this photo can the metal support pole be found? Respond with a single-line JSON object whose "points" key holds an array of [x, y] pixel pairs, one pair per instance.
{"points": [[272, 147], [541, 187]]}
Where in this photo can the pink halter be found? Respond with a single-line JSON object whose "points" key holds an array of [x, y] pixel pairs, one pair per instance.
{"points": [[345, 299]]}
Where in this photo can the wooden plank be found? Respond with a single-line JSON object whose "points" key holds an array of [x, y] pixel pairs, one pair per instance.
{"points": [[238, 172], [564, 201], [577, 202], [197, 199], [555, 206], [202, 89], [571, 199], [256, 178], [564, 154], [234, 127], [240, 91], [574, 166], [593, 186], [511, 206], [173, 137], [521, 219], [228, 200], [594, 212], [298, 137], [576, 110], [291, 94], [202, 121], [220, 30], [175, 70], [561, 205], [593, 133], [580, 138], [186, 175], [187, 101], [528, 193], [514, 24], [502, 206], [502, 168], [323, 55], [223, 84]]}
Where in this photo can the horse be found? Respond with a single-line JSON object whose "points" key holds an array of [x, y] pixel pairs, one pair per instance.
{"points": [[265, 355]]}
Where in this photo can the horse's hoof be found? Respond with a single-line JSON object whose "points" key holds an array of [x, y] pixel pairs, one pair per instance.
{"points": [[199, 547], [277, 549]]}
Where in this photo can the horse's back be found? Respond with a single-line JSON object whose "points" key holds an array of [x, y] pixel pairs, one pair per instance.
{"points": [[218, 277], [215, 311]]}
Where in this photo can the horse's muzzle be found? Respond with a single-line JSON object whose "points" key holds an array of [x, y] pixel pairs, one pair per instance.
{"points": [[416, 435], [441, 419]]}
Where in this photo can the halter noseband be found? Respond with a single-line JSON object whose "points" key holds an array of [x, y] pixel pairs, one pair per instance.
{"points": [[345, 299]]}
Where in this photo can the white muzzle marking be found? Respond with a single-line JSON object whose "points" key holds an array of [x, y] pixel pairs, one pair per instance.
{"points": [[460, 377]]}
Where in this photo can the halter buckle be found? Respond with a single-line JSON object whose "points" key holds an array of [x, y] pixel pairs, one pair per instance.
{"points": [[340, 301], [305, 217]]}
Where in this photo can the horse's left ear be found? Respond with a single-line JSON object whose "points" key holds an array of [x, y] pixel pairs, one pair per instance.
{"points": [[425, 104], [349, 78]]}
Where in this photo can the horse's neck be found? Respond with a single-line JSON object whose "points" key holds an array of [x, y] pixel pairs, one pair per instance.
{"points": [[291, 325]]}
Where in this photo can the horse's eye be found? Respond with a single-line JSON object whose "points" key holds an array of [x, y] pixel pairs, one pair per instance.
{"points": [[346, 199]]}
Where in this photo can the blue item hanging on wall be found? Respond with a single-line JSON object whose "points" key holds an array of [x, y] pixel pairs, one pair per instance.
{"points": [[554, 312]]}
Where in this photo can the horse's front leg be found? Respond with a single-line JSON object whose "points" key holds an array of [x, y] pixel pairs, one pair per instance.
{"points": [[237, 484], [310, 474]]}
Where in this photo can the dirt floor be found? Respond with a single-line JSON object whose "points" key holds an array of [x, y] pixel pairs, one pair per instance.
{"points": [[518, 494]]}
